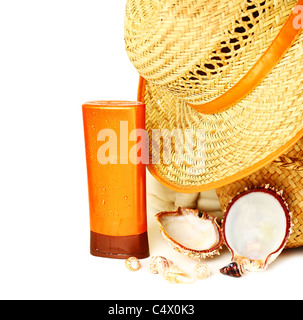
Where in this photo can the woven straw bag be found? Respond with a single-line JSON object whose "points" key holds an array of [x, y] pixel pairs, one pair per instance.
{"points": [[286, 173]]}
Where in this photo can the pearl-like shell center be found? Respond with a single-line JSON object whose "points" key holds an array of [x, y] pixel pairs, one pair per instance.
{"points": [[256, 226], [191, 232]]}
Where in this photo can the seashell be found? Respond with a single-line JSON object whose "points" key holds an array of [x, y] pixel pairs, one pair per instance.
{"points": [[133, 264], [158, 264], [202, 271], [233, 270], [191, 232], [174, 274], [256, 228]]}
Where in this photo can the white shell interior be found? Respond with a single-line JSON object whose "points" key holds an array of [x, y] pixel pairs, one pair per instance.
{"points": [[191, 232], [256, 226]]}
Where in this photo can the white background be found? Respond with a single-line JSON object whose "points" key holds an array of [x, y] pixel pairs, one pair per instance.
{"points": [[56, 55]]}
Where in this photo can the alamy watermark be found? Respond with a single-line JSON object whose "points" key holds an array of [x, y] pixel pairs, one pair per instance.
{"points": [[182, 147], [298, 20]]}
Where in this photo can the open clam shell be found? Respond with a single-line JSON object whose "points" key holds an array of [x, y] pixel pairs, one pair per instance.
{"points": [[256, 228], [191, 232]]}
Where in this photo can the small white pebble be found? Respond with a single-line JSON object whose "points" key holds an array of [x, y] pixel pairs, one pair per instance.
{"points": [[133, 264], [202, 271]]}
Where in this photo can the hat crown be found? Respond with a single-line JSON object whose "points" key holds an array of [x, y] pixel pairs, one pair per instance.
{"points": [[197, 50]]}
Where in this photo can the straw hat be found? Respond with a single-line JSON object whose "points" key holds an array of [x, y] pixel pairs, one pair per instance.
{"points": [[231, 71]]}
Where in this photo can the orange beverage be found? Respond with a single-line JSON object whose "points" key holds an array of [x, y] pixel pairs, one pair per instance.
{"points": [[116, 178]]}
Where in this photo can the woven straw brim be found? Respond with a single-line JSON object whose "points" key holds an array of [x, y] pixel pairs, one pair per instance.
{"points": [[238, 141], [284, 174], [197, 50]]}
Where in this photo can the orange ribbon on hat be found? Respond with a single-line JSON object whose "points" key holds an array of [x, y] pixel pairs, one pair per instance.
{"points": [[289, 33]]}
